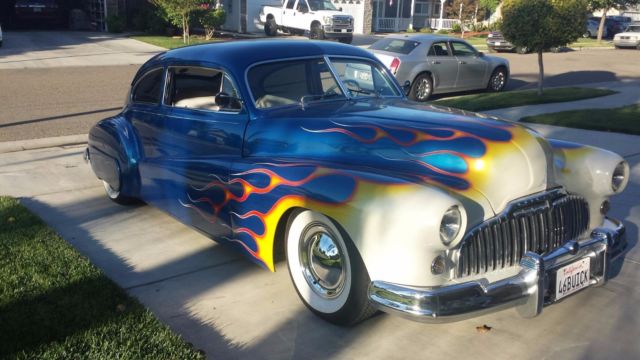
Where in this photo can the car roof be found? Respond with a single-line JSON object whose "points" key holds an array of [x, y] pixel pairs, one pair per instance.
{"points": [[421, 37], [237, 55]]}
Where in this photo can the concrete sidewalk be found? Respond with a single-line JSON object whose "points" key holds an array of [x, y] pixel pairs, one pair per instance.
{"points": [[628, 94]]}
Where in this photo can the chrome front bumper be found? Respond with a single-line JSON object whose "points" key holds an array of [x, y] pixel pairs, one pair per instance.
{"points": [[528, 291]]}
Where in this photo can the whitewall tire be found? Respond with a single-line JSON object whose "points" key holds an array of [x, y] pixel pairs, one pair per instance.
{"points": [[326, 269]]}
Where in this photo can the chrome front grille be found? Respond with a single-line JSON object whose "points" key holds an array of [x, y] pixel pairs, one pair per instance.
{"points": [[539, 224]]}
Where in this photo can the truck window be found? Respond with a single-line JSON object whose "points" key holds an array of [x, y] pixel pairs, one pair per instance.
{"points": [[290, 4]]}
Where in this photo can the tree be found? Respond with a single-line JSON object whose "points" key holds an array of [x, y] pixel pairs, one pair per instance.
{"points": [[211, 20], [490, 5], [540, 25], [606, 6], [179, 13]]}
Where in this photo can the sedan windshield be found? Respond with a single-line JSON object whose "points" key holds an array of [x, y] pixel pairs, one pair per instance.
{"points": [[316, 5], [290, 82]]}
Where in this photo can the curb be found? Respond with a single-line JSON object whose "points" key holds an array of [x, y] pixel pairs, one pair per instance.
{"points": [[21, 145]]}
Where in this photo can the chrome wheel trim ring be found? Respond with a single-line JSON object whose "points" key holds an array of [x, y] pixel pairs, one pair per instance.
{"points": [[322, 261], [497, 81], [424, 89], [111, 193]]}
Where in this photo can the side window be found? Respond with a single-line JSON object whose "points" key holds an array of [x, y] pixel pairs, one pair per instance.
{"points": [[462, 49], [149, 88], [201, 89], [439, 49], [302, 6], [363, 78], [290, 4]]}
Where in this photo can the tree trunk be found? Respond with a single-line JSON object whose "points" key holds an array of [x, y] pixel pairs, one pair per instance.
{"points": [[541, 72], [602, 22], [184, 28]]}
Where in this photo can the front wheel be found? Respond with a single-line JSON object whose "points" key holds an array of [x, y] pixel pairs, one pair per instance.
{"points": [[498, 80], [316, 32], [116, 196], [522, 49], [422, 88], [270, 27], [326, 269]]}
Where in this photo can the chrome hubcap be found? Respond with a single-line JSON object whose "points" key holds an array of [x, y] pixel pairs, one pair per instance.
{"points": [[322, 262], [424, 89], [110, 191], [497, 82]]}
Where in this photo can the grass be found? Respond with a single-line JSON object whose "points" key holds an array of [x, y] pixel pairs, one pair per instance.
{"points": [[582, 42], [623, 120], [169, 42], [54, 304], [490, 101]]}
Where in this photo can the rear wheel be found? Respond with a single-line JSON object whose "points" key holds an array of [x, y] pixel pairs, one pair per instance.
{"points": [[522, 50], [316, 32], [422, 88], [587, 34], [498, 80], [326, 269], [116, 196], [271, 28]]}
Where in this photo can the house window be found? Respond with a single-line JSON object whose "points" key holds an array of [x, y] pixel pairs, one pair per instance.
{"points": [[422, 8], [436, 8]]}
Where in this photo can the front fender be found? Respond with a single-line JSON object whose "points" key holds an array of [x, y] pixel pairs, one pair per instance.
{"points": [[114, 153]]}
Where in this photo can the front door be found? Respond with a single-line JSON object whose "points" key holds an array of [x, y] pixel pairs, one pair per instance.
{"points": [[471, 67], [443, 66]]}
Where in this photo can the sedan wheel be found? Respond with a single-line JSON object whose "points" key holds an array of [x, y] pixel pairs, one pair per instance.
{"points": [[326, 269], [422, 88], [498, 80]]}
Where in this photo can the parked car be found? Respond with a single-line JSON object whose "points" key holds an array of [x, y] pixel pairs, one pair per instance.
{"points": [[0, 35], [42, 10], [434, 64], [612, 25], [592, 30], [497, 43], [320, 18], [277, 148], [629, 38]]}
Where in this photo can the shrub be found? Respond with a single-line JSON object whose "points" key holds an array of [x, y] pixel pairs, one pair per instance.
{"points": [[151, 21], [410, 30], [210, 20], [456, 28], [442, 32], [115, 23], [426, 30]]}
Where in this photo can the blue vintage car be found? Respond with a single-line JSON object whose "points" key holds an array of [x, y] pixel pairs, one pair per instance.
{"points": [[310, 151]]}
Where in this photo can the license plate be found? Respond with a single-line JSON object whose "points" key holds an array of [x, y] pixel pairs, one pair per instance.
{"points": [[498, 43], [572, 278]]}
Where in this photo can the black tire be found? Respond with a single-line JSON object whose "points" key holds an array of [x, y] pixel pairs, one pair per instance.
{"points": [[270, 27], [556, 49], [522, 50], [117, 197], [498, 80], [346, 40], [315, 241], [422, 88], [587, 35], [316, 32]]}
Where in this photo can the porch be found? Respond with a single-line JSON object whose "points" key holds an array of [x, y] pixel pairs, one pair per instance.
{"points": [[397, 15]]}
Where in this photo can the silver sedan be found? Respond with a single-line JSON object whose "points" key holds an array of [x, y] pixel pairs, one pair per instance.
{"points": [[433, 64]]}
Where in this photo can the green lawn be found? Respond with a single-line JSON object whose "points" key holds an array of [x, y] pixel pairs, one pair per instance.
{"points": [[582, 42], [489, 101], [168, 42], [624, 120], [54, 304]]}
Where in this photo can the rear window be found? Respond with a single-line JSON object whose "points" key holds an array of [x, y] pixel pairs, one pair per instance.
{"points": [[395, 45]]}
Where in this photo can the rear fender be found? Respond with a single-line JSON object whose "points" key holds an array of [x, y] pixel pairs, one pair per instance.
{"points": [[114, 154]]}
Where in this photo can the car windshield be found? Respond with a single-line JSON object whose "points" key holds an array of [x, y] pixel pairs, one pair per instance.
{"points": [[316, 5], [290, 82], [633, 28], [395, 45]]}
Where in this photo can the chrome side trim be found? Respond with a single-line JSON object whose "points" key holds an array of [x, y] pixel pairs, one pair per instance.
{"points": [[526, 290]]}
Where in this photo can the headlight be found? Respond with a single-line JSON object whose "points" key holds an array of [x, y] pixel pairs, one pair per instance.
{"points": [[490, 35], [328, 20], [619, 176], [351, 21], [450, 225]]}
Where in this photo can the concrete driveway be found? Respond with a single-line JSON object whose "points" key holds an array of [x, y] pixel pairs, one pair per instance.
{"points": [[46, 49], [230, 308]]}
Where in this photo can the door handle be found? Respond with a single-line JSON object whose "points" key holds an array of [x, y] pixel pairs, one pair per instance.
{"points": [[435, 62], [462, 62]]}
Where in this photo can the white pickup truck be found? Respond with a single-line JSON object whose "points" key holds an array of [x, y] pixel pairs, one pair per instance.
{"points": [[319, 17]]}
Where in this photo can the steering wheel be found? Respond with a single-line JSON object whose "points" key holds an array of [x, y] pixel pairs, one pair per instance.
{"points": [[351, 85]]}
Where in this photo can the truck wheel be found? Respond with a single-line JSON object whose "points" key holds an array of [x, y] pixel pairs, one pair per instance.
{"points": [[346, 40], [270, 27], [326, 269], [316, 32]]}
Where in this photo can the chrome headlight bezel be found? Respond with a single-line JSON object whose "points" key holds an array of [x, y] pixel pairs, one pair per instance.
{"points": [[328, 20], [619, 177], [450, 225]]}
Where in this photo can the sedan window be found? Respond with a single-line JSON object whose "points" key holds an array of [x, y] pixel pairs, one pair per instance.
{"points": [[201, 89], [462, 49], [439, 49], [149, 88], [395, 45]]}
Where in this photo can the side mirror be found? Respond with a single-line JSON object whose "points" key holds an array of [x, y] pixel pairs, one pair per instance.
{"points": [[406, 87], [480, 54]]}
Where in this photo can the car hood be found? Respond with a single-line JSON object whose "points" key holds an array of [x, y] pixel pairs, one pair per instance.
{"points": [[463, 153]]}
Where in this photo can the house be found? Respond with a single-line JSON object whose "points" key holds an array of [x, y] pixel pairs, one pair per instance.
{"points": [[369, 15]]}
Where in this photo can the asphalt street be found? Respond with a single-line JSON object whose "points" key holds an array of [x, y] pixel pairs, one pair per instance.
{"points": [[61, 83]]}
